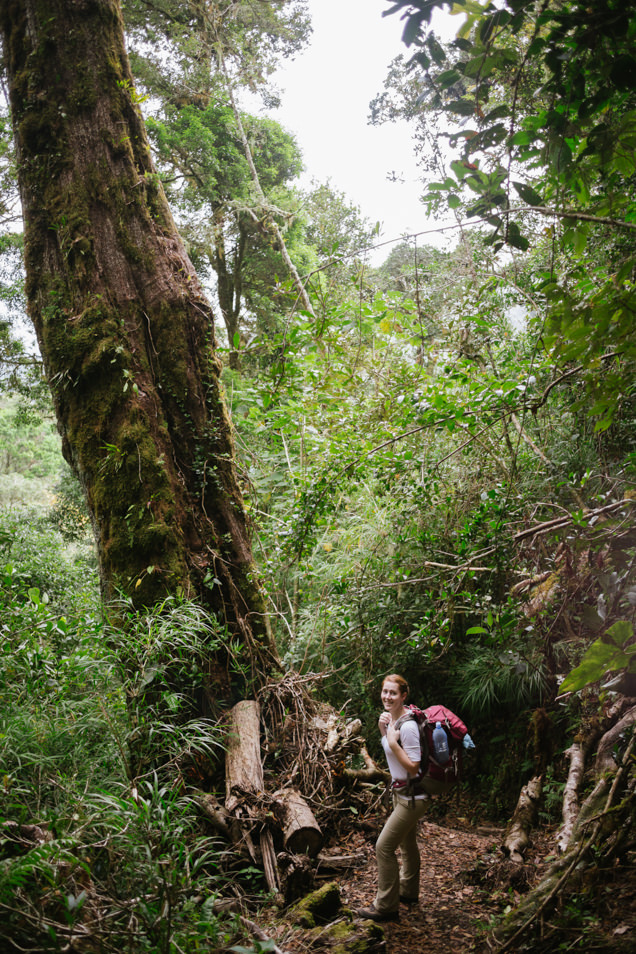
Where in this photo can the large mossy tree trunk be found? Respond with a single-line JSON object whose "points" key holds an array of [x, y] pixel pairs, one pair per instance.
{"points": [[126, 334]]}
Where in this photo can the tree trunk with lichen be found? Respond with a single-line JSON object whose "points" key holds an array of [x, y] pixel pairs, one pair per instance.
{"points": [[602, 832], [126, 334]]}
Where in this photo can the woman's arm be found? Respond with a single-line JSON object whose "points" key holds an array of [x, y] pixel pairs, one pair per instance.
{"points": [[393, 737]]}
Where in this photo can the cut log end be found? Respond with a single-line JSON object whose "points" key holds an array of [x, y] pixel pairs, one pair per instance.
{"points": [[301, 831]]}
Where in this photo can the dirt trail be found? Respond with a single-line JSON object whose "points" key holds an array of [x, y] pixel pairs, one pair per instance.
{"points": [[445, 919], [453, 902], [466, 881]]}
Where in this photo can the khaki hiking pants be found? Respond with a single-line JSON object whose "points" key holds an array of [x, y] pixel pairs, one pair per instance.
{"points": [[400, 831]]}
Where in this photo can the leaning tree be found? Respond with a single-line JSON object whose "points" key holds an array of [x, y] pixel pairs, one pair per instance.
{"points": [[125, 332], [127, 340]]}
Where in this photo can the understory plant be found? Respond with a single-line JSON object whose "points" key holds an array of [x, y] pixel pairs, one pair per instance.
{"points": [[101, 843]]}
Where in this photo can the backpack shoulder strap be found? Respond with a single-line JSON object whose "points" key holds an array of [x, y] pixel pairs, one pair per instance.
{"points": [[407, 717], [421, 723]]}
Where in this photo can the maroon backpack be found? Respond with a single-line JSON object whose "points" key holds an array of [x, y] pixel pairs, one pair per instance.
{"points": [[435, 777]]}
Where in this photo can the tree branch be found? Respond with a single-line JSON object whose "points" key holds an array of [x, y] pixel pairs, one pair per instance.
{"points": [[573, 214], [534, 406], [558, 522]]}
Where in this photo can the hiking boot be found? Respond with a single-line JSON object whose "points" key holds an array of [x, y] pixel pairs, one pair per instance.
{"points": [[405, 900], [374, 915]]}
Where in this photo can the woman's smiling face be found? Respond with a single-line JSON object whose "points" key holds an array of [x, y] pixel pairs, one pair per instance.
{"points": [[392, 696]]}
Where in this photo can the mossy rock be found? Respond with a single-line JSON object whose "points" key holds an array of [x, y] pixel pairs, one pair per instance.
{"points": [[350, 937], [319, 907], [317, 910]]}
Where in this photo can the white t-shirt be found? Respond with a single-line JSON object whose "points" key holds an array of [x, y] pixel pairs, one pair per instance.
{"points": [[410, 739]]}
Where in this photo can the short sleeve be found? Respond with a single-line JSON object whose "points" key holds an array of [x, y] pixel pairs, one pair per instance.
{"points": [[410, 740]]}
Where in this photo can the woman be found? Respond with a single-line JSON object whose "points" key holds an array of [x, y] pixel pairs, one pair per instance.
{"points": [[401, 744]]}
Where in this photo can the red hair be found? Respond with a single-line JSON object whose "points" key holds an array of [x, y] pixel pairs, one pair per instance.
{"points": [[400, 680]]}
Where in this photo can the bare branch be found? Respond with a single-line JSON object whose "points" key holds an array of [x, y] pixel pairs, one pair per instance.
{"points": [[558, 522]]}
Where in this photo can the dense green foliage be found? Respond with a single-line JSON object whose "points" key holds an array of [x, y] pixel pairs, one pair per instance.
{"points": [[87, 718], [535, 102], [427, 446]]}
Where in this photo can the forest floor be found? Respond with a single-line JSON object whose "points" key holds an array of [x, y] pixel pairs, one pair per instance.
{"points": [[467, 883], [452, 906]]}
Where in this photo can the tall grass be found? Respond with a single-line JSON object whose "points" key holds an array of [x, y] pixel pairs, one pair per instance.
{"points": [[101, 848]]}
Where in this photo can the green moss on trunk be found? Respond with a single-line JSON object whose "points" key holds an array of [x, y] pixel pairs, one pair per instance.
{"points": [[126, 334]]}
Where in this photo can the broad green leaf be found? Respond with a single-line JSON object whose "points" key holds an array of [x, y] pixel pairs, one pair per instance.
{"points": [[465, 29], [492, 135], [522, 138], [412, 29], [422, 59], [462, 107], [621, 631], [515, 238], [473, 67], [436, 50], [34, 595], [460, 169], [599, 659], [449, 78], [527, 193], [499, 112], [579, 239], [490, 24], [560, 156]]}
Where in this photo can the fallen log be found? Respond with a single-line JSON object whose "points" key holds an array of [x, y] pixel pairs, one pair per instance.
{"points": [[297, 875], [253, 811], [243, 766], [517, 836], [301, 831], [328, 862], [215, 813], [244, 778]]}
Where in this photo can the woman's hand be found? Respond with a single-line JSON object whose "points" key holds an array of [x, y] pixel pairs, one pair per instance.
{"points": [[393, 736], [383, 722]]}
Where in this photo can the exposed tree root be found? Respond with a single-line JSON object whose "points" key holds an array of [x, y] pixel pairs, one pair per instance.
{"points": [[600, 811], [518, 832], [577, 754], [604, 756]]}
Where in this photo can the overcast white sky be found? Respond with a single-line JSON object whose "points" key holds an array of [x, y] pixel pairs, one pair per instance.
{"points": [[326, 93]]}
